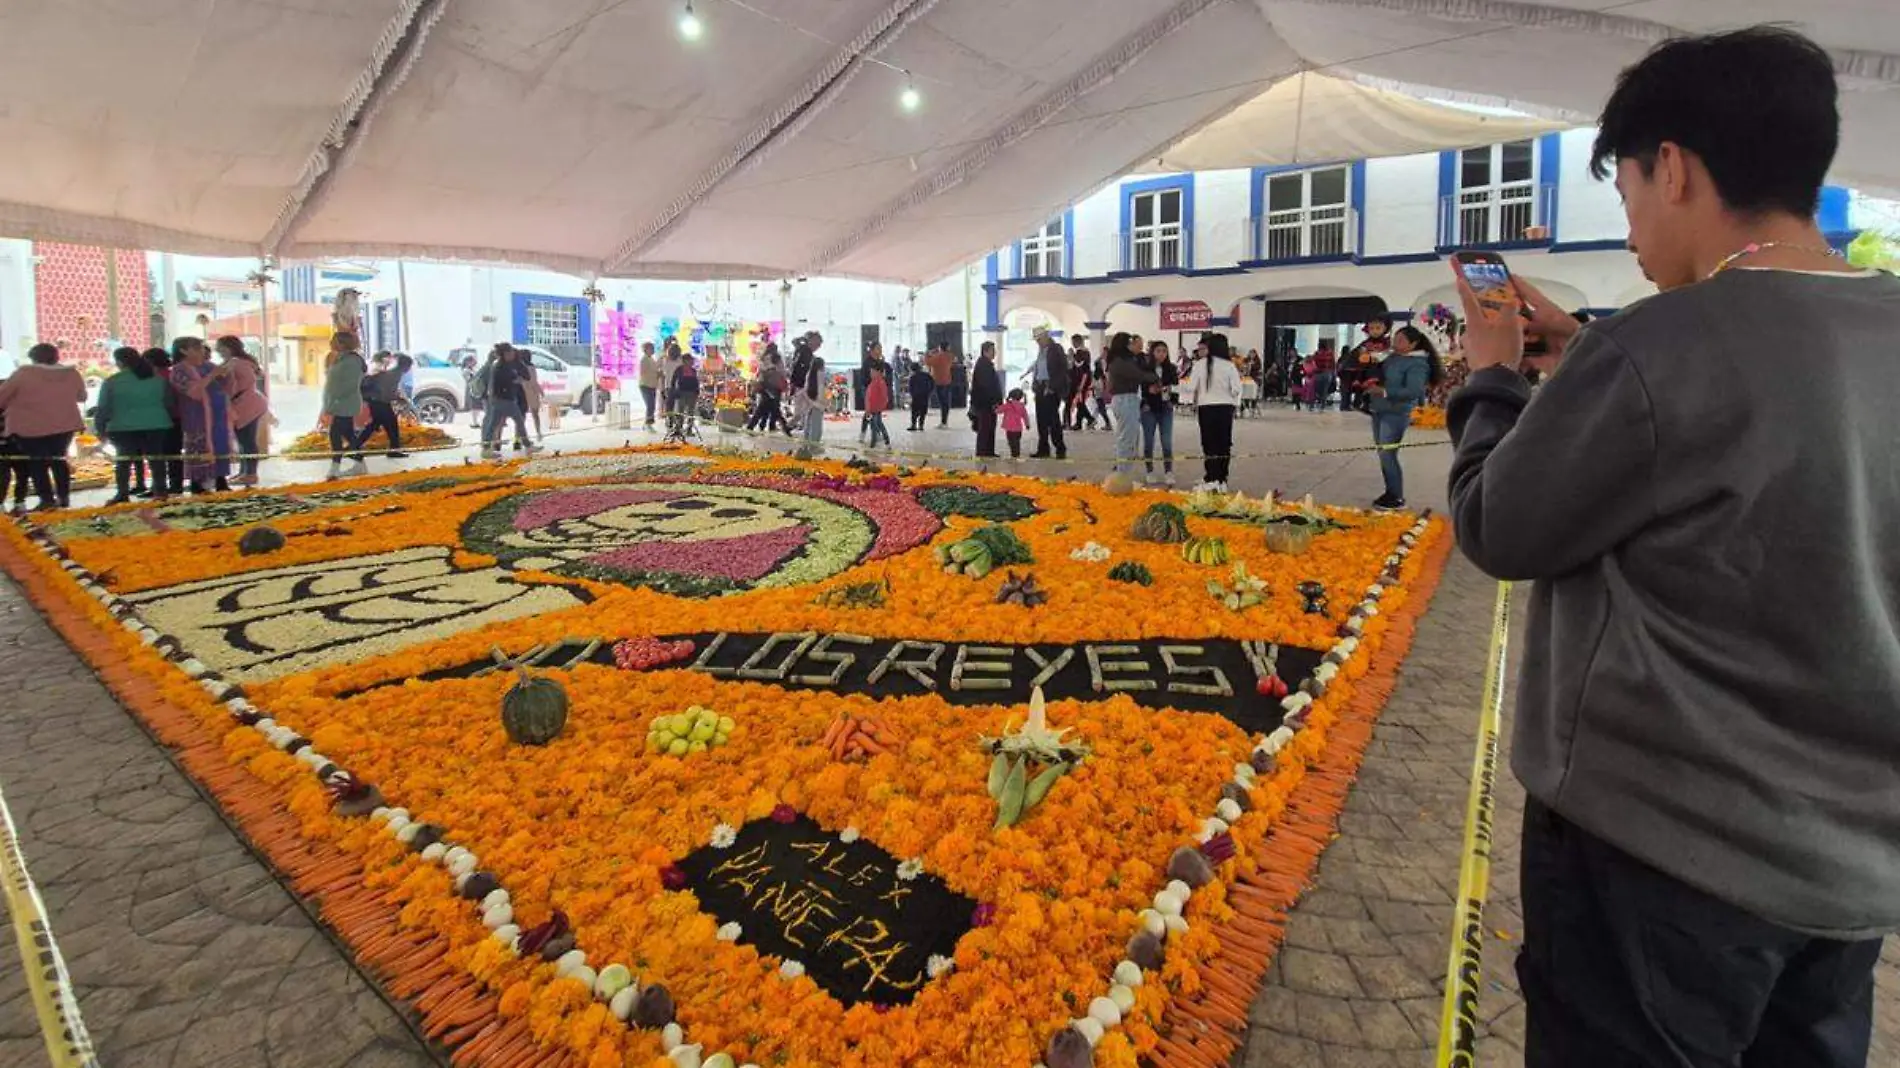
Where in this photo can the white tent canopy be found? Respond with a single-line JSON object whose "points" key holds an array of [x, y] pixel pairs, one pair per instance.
{"points": [[583, 135]]}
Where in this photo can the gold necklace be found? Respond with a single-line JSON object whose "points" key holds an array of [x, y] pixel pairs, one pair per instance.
{"points": [[1753, 247]]}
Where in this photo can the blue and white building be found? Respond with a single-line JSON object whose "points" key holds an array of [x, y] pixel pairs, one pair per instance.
{"points": [[1315, 249]]}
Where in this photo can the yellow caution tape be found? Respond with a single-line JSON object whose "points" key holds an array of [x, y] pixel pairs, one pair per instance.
{"points": [[1464, 974], [48, 987]]}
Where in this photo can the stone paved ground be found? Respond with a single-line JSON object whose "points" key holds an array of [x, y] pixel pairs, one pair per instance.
{"points": [[184, 951], [188, 955]]}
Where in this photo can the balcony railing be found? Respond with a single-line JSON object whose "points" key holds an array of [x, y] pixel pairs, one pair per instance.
{"points": [[1497, 215], [1305, 233], [1152, 248]]}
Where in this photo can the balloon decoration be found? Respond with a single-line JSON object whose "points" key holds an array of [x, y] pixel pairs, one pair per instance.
{"points": [[619, 334]]}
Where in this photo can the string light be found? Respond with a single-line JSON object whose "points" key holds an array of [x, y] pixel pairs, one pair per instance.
{"points": [[690, 26], [910, 98]]}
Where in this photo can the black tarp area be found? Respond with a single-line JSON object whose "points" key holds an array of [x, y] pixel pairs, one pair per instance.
{"points": [[840, 909]]}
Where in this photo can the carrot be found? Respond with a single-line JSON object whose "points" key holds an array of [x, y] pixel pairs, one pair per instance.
{"points": [[831, 732], [874, 747]]}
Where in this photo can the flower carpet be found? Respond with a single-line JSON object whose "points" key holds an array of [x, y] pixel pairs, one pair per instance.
{"points": [[679, 759]]}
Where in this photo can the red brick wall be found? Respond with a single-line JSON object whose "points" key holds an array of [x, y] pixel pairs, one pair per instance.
{"points": [[70, 284]]}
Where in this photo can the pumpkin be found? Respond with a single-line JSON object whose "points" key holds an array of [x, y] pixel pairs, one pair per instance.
{"points": [[534, 709], [1163, 523], [260, 540], [1118, 484]]}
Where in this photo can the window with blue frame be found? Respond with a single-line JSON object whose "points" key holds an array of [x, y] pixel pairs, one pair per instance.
{"points": [[1305, 214], [1156, 238], [548, 321], [1498, 197], [1044, 251]]}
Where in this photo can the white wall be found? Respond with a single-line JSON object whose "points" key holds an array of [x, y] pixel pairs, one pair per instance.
{"points": [[1401, 205], [1097, 219], [1587, 210], [19, 319], [1221, 207], [1594, 279], [451, 305]]}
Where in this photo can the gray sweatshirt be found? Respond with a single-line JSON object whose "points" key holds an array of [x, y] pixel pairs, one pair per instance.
{"points": [[1707, 494]]}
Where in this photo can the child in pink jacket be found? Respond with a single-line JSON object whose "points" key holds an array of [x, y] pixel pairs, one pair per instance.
{"points": [[1014, 414]]}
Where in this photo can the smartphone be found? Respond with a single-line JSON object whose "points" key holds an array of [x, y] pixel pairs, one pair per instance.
{"points": [[1490, 281]]}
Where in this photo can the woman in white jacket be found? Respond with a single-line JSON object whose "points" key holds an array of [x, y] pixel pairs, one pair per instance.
{"points": [[1214, 390]]}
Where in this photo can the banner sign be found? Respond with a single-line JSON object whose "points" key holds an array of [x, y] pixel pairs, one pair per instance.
{"points": [[1186, 315]]}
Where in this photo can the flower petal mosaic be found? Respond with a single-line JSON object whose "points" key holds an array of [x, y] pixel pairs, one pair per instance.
{"points": [[660, 758]]}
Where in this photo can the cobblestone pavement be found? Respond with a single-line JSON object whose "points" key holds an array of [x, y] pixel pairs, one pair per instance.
{"points": [[183, 949], [188, 955]]}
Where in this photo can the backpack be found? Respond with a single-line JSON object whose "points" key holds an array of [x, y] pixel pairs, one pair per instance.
{"points": [[479, 386], [801, 367]]}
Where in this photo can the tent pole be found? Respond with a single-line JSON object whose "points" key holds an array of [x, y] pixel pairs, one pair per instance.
{"points": [[112, 296], [402, 303]]}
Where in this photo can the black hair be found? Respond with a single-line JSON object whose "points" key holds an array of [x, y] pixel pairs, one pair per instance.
{"points": [[1217, 346], [347, 340], [180, 345], [1759, 107], [1423, 343], [403, 362], [1120, 347], [43, 353], [130, 359], [158, 358]]}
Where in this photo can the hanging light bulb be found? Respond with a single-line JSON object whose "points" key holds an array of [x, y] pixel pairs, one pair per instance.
{"points": [[910, 98], [690, 26]]}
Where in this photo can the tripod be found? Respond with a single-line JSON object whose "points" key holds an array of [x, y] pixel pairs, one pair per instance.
{"points": [[681, 427]]}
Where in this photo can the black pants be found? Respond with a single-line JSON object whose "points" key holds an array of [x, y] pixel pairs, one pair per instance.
{"points": [[769, 415], [985, 431], [1217, 439], [132, 447], [943, 404], [1049, 425], [174, 469], [919, 410], [247, 445], [1623, 965], [381, 416], [343, 438], [17, 474], [46, 465], [1015, 443]]}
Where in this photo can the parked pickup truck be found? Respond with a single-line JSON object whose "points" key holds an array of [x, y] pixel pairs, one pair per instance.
{"points": [[441, 390]]}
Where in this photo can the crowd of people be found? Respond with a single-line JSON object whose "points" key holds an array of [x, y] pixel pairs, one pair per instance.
{"points": [[179, 420], [1133, 390]]}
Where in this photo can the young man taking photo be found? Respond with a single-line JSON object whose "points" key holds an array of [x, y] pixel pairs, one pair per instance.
{"points": [[1708, 721]]}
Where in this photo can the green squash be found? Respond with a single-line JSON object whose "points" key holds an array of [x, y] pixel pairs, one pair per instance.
{"points": [[259, 540], [1163, 523], [534, 709]]}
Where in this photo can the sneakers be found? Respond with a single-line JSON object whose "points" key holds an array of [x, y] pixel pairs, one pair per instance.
{"points": [[356, 468], [335, 472], [398, 455], [1168, 480], [1388, 503], [1211, 487]]}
